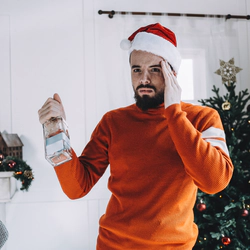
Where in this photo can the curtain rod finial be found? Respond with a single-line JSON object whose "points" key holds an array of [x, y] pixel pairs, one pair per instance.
{"points": [[111, 14]]}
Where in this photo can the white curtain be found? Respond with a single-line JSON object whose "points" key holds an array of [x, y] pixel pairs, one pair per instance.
{"points": [[205, 40]]}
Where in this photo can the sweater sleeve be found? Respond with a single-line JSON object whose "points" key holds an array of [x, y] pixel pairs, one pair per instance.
{"points": [[79, 175], [202, 147]]}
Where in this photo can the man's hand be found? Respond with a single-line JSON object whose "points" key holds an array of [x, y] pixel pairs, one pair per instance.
{"points": [[172, 93], [51, 108]]}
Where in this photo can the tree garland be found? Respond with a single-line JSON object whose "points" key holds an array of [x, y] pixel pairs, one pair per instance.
{"points": [[22, 171]]}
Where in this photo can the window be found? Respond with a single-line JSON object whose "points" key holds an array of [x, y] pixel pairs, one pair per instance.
{"points": [[192, 75], [185, 79]]}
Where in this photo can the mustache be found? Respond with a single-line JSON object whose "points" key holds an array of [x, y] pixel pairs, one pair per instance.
{"points": [[146, 86]]}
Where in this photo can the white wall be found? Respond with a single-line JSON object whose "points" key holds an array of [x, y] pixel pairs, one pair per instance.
{"points": [[46, 47]]}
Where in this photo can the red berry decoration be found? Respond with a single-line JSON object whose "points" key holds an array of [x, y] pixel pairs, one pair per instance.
{"points": [[11, 164], [244, 212], [226, 240], [201, 207]]}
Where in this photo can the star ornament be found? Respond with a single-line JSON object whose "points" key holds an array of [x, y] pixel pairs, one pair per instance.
{"points": [[228, 71]]}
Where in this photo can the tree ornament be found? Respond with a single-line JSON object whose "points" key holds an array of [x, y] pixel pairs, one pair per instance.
{"points": [[228, 71], [244, 212], [11, 164], [226, 105], [226, 240], [201, 206]]}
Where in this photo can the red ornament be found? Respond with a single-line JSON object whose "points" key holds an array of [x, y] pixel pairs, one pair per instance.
{"points": [[244, 212], [11, 164], [226, 240], [201, 206]]}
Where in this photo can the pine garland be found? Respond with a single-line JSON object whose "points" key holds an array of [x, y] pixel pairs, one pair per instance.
{"points": [[22, 171]]}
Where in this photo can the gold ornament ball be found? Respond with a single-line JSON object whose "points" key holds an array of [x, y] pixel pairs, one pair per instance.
{"points": [[28, 174], [226, 105]]}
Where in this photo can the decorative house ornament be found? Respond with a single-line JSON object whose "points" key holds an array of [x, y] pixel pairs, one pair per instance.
{"points": [[11, 145], [228, 71]]}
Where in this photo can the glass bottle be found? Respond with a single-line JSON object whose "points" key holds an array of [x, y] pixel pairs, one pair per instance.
{"points": [[56, 141]]}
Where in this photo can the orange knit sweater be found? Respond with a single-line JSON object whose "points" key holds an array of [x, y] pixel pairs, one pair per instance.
{"points": [[157, 160]]}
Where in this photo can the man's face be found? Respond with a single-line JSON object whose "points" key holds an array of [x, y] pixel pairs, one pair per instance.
{"points": [[147, 79]]}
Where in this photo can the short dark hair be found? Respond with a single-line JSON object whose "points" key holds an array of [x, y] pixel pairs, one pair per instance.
{"points": [[171, 67]]}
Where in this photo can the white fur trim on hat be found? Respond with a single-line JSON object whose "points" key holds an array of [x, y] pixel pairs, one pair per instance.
{"points": [[159, 46]]}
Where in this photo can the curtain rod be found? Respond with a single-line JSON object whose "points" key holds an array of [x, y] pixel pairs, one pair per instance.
{"points": [[112, 13]]}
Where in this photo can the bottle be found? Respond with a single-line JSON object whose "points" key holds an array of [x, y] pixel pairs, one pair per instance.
{"points": [[56, 141]]}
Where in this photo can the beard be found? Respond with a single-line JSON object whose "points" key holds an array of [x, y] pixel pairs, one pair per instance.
{"points": [[146, 102]]}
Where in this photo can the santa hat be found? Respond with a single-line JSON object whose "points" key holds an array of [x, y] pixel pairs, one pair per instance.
{"points": [[157, 40]]}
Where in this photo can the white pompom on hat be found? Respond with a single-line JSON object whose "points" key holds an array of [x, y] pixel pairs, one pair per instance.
{"points": [[157, 40], [125, 44]]}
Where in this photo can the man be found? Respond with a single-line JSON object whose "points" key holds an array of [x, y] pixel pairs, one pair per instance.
{"points": [[160, 150]]}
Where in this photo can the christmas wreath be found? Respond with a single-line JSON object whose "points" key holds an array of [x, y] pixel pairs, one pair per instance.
{"points": [[22, 171]]}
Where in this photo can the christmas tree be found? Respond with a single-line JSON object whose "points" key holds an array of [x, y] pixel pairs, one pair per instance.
{"points": [[223, 218]]}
